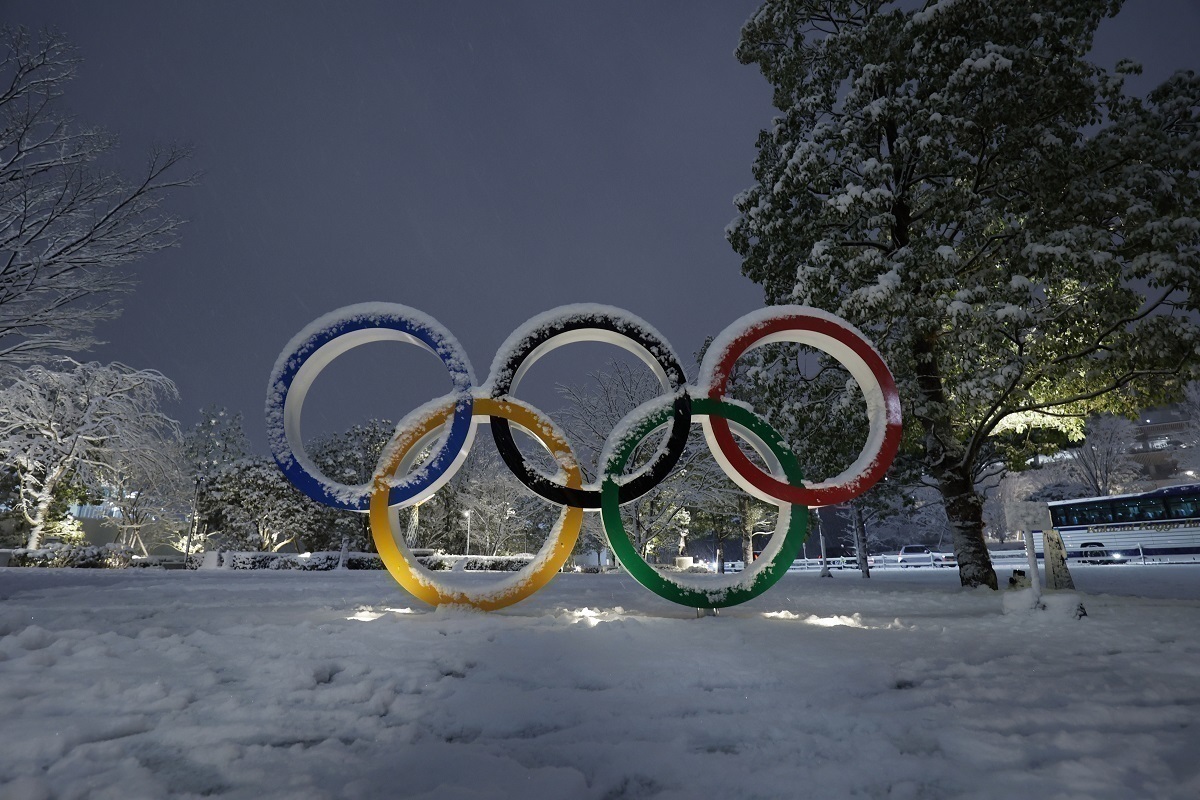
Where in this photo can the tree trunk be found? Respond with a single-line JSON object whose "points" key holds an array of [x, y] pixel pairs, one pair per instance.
{"points": [[746, 523], [40, 515], [951, 469], [45, 498], [410, 535], [860, 540], [964, 509]]}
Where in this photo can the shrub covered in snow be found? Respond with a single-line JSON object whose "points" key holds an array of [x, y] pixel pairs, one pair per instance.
{"points": [[441, 561], [694, 569], [330, 560], [307, 562], [109, 556], [320, 562]]}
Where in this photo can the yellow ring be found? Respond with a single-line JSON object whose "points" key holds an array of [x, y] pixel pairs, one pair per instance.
{"points": [[421, 582]]}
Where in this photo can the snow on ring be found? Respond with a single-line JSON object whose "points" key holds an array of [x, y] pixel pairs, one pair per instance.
{"points": [[318, 344], [838, 338]]}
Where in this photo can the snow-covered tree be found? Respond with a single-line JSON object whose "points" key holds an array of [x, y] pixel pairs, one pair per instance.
{"points": [[150, 491], [260, 510], [350, 458], [67, 227], [662, 516], [217, 440], [1016, 234], [812, 401], [1101, 465], [210, 447], [60, 523], [500, 507], [57, 426]]}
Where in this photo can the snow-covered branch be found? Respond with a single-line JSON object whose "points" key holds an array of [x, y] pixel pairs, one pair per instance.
{"points": [[67, 228]]}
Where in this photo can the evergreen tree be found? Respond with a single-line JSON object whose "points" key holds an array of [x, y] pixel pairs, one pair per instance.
{"points": [[260, 510], [1016, 234], [349, 458], [211, 447]]}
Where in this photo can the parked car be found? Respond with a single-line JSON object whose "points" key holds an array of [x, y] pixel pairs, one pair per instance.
{"points": [[945, 559], [919, 555]]}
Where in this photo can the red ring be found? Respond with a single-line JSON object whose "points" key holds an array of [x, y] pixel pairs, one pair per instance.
{"points": [[825, 495]]}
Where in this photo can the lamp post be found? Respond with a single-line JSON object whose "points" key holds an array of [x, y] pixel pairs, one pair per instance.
{"points": [[467, 514]]}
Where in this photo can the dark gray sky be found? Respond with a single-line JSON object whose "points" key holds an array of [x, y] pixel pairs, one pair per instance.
{"points": [[480, 161]]}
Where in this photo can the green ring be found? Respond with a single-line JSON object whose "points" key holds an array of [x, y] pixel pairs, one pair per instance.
{"points": [[657, 582]]}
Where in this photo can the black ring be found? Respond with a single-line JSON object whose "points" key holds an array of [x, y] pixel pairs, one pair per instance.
{"points": [[640, 334]]}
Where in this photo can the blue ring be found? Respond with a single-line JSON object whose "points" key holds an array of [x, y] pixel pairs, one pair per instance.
{"points": [[367, 316]]}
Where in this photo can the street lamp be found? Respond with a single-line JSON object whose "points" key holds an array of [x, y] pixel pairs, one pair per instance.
{"points": [[467, 514]]}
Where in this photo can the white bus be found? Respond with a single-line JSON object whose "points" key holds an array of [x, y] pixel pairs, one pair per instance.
{"points": [[1147, 527]]}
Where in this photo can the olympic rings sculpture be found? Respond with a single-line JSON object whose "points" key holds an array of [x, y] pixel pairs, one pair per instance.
{"points": [[445, 428]]}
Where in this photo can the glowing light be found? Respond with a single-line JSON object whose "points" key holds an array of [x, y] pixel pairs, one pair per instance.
{"points": [[838, 621], [370, 615]]}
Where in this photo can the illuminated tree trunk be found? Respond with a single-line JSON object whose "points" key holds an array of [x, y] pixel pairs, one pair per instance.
{"points": [[964, 508], [860, 540]]}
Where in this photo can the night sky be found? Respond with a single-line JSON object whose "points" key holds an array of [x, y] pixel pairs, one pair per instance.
{"points": [[480, 161]]}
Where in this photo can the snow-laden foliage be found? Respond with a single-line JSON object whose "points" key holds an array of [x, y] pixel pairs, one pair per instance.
{"points": [[60, 524], [71, 425], [210, 447], [109, 556], [257, 508], [304, 562], [505, 517], [1018, 236], [217, 440], [484, 510], [67, 226], [350, 458], [150, 493]]}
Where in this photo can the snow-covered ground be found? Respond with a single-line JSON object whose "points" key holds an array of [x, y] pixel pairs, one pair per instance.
{"points": [[145, 684]]}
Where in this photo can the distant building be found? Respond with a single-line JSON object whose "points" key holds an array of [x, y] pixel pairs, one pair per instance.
{"points": [[1163, 434]]}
